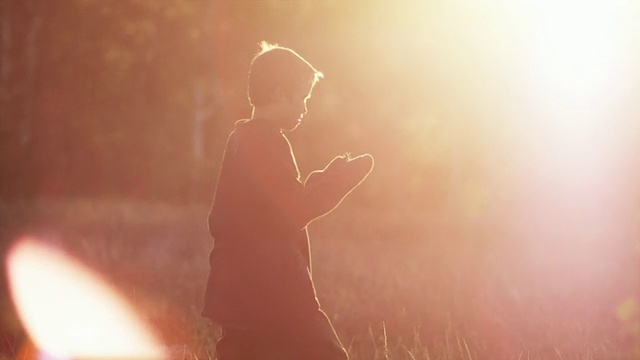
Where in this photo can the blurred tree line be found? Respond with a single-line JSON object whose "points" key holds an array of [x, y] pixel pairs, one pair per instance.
{"points": [[134, 99], [102, 97]]}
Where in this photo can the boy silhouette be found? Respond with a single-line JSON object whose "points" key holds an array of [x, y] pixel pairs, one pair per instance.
{"points": [[260, 290]]}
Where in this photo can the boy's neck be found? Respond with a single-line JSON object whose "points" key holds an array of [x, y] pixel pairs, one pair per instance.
{"points": [[266, 114]]}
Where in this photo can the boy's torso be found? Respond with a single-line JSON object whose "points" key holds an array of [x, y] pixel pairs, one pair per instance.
{"points": [[260, 270]]}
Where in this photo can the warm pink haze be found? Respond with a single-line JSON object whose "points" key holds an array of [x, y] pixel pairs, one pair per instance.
{"points": [[501, 219]]}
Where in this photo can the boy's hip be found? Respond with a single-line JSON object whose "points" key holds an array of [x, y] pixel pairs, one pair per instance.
{"points": [[313, 338], [259, 297], [261, 315]]}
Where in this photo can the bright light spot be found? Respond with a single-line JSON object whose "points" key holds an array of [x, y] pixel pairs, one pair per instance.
{"points": [[71, 313], [577, 49], [577, 55]]}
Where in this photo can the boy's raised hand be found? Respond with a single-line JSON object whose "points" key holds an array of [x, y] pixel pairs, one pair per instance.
{"points": [[325, 189], [344, 170], [338, 164], [348, 167]]}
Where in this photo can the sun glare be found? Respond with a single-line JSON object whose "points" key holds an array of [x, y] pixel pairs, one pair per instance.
{"points": [[577, 53], [71, 313], [577, 47], [576, 57]]}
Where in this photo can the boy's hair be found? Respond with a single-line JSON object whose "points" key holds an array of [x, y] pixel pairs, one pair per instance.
{"points": [[276, 67]]}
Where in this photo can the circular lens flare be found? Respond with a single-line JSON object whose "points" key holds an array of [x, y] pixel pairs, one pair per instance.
{"points": [[69, 312]]}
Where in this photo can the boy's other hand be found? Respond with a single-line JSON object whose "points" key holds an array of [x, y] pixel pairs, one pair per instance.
{"points": [[347, 169], [342, 162], [364, 158], [360, 166], [328, 187], [338, 164]]}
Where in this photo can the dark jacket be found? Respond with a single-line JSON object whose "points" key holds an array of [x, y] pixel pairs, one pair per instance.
{"points": [[260, 265]]}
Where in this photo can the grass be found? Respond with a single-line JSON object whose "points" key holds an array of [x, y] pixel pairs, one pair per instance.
{"points": [[397, 286]]}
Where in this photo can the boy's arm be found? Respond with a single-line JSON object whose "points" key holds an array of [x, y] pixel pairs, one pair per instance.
{"points": [[272, 169]]}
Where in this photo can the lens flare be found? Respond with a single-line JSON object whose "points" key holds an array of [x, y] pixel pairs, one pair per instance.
{"points": [[69, 312]]}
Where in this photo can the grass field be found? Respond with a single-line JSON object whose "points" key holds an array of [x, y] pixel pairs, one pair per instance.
{"points": [[397, 286]]}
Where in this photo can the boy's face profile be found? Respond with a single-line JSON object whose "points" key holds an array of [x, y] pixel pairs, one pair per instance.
{"points": [[291, 108], [279, 84]]}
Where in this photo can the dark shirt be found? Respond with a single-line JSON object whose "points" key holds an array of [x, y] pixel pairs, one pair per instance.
{"points": [[260, 263]]}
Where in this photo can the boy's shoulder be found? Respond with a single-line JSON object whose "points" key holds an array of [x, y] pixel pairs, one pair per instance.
{"points": [[240, 128], [256, 135], [247, 128], [240, 123]]}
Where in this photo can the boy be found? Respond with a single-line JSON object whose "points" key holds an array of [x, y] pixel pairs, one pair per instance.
{"points": [[260, 289]]}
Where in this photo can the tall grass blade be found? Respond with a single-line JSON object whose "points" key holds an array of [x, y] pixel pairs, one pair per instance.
{"points": [[386, 345]]}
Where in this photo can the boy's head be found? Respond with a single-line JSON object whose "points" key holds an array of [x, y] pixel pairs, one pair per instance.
{"points": [[279, 75]]}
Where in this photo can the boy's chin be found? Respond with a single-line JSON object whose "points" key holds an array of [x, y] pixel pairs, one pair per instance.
{"points": [[292, 126]]}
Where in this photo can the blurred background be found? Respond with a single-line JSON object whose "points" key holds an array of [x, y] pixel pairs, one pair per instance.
{"points": [[506, 136]]}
